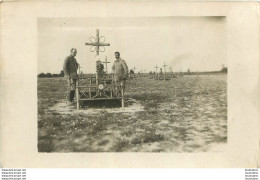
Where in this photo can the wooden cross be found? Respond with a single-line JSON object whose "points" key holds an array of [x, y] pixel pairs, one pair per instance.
{"points": [[97, 44], [164, 66], [134, 68], [156, 67], [105, 62], [170, 69]]}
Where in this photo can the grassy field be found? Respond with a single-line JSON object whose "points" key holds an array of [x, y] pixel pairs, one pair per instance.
{"points": [[186, 114]]}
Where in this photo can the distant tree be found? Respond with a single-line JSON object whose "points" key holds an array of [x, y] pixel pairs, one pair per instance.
{"points": [[48, 75], [41, 75], [224, 69], [62, 73], [188, 71]]}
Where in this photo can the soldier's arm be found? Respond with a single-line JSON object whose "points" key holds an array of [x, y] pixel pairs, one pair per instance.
{"points": [[65, 67], [125, 69], [77, 64], [113, 68]]}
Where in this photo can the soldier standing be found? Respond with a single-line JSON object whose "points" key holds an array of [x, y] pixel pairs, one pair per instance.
{"points": [[120, 71], [70, 68]]}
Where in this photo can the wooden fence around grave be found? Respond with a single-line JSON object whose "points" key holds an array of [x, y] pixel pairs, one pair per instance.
{"points": [[105, 90]]}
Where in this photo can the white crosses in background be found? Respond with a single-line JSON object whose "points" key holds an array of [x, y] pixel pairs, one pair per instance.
{"points": [[106, 62], [164, 66]]}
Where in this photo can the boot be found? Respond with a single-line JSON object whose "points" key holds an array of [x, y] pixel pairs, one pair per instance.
{"points": [[71, 95]]}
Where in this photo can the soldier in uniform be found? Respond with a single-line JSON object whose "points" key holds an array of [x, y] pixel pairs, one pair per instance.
{"points": [[120, 71], [70, 68]]}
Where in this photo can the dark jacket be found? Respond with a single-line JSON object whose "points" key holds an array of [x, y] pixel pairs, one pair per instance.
{"points": [[70, 67]]}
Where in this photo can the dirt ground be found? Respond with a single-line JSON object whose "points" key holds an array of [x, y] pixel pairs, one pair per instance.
{"points": [[185, 114]]}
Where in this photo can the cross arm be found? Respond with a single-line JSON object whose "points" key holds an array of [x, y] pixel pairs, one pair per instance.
{"points": [[92, 44], [104, 44], [97, 44]]}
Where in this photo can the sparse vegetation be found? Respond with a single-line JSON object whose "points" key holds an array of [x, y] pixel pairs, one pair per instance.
{"points": [[185, 114]]}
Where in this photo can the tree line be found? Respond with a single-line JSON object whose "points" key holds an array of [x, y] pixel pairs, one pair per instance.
{"points": [[49, 75]]}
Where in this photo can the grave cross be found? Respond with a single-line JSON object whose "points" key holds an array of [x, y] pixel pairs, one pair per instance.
{"points": [[170, 69], [79, 67], [134, 68], [156, 75], [164, 66], [156, 67], [97, 44], [106, 62]]}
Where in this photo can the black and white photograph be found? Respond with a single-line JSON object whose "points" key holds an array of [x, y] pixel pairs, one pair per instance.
{"points": [[132, 84]]}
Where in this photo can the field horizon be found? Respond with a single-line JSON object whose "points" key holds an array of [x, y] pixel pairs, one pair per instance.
{"points": [[184, 114]]}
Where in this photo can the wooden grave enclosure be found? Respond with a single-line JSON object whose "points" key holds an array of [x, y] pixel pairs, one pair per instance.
{"points": [[104, 93], [95, 90]]}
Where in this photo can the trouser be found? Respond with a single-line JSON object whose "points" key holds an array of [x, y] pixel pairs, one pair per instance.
{"points": [[72, 88], [120, 84]]}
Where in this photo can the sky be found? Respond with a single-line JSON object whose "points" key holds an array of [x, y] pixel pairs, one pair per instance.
{"points": [[182, 43]]}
